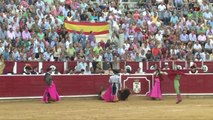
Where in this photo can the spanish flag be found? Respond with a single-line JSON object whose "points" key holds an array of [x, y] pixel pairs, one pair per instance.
{"points": [[87, 27]]}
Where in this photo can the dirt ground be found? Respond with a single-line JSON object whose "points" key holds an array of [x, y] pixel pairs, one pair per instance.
{"points": [[135, 108]]}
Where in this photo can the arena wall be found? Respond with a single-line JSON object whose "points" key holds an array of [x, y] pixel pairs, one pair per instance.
{"points": [[20, 86]]}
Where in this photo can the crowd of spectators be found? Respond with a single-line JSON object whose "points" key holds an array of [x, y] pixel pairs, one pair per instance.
{"points": [[152, 30]]}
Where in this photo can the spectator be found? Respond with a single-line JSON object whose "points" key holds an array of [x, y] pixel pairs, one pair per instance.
{"points": [[11, 34], [81, 65], [184, 37], [156, 53], [211, 56], [57, 52], [208, 47], [178, 4], [159, 37], [192, 36], [202, 38], [26, 34], [69, 17], [97, 49], [197, 46]]}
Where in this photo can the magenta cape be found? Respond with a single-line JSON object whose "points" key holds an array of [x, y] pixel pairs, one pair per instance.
{"points": [[51, 93], [107, 96], [156, 90]]}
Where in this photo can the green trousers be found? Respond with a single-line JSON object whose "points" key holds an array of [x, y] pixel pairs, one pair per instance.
{"points": [[177, 86]]}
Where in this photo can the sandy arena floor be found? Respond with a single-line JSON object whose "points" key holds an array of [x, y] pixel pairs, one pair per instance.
{"points": [[136, 108]]}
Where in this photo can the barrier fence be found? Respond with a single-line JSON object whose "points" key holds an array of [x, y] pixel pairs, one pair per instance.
{"points": [[21, 86]]}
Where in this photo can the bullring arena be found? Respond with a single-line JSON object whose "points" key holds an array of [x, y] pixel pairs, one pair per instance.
{"points": [[84, 41]]}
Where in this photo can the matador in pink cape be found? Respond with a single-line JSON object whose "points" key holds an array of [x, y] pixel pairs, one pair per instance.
{"points": [[156, 93], [50, 93]]}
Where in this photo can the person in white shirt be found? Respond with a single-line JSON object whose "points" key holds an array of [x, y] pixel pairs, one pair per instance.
{"points": [[16, 54], [146, 47], [184, 37], [18, 33], [131, 36], [87, 71], [204, 6], [29, 23], [127, 45], [119, 11], [39, 4], [207, 15], [111, 8], [159, 37], [200, 2], [192, 36], [208, 46], [161, 7], [197, 46], [121, 50], [189, 23], [125, 25], [68, 43], [63, 9], [1, 48], [142, 55], [199, 56], [47, 55], [102, 18], [202, 38], [81, 65], [11, 34]]}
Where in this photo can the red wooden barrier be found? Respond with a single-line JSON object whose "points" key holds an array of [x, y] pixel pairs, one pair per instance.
{"points": [[26, 86], [72, 64], [190, 84], [8, 67]]}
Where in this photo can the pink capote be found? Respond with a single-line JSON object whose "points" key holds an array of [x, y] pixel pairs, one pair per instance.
{"points": [[53, 94], [107, 96], [156, 90]]}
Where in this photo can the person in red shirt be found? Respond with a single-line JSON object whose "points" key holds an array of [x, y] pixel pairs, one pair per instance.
{"points": [[136, 15], [156, 53], [102, 44], [164, 52], [145, 36], [138, 29]]}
